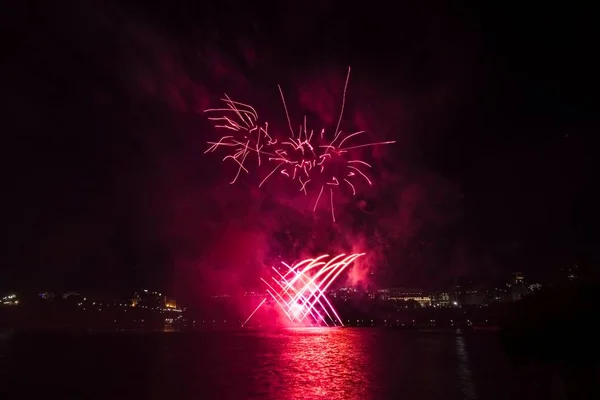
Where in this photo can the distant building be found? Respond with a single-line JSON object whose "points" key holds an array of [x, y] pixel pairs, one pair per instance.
{"points": [[518, 286], [153, 300], [462, 283], [534, 287], [518, 279], [47, 296], [474, 296], [498, 295], [571, 273], [403, 294], [10, 300], [170, 303], [442, 299], [147, 299], [346, 293]]}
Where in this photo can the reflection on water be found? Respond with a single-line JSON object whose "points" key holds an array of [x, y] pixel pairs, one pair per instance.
{"points": [[313, 363], [464, 371], [310, 363]]}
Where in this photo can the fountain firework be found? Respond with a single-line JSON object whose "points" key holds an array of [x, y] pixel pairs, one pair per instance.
{"points": [[300, 290], [305, 156]]}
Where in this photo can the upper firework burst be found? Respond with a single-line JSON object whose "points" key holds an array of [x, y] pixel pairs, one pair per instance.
{"points": [[304, 156]]}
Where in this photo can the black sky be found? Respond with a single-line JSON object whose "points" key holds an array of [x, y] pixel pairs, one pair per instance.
{"points": [[500, 99]]}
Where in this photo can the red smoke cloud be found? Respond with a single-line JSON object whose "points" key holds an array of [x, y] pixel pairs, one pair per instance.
{"points": [[220, 237]]}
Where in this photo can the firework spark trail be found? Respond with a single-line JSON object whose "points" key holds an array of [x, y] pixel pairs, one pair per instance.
{"points": [[304, 299], [274, 294], [241, 118], [322, 285], [333, 265], [295, 157], [336, 270], [295, 308], [318, 298], [302, 289], [253, 312]]}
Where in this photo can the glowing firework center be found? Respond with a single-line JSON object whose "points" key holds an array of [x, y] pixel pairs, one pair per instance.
{"points": [[300, 291]]}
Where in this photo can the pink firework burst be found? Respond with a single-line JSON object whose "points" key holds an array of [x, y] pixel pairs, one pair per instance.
{"points": [[300, 291], [245, 136], [305, 156]]}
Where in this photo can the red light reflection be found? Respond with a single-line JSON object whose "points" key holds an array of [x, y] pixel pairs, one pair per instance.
{"points": [[330, 363]]}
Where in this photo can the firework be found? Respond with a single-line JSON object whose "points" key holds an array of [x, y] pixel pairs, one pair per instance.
{"points": [[245, 136], [300, 291], [304, 156]]}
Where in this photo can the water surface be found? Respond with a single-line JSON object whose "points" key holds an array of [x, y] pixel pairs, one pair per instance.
{"points": [[314, 363]]}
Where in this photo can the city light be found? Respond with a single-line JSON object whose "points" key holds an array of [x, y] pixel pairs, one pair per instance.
{"points": [[10, 300]]}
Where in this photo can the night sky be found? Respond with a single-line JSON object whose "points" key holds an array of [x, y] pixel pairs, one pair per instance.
{"points": [[106, 187]]}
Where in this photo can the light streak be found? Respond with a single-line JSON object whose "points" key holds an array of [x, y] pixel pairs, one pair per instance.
{"points": [[301, 296], [332, 208], [286, 111], [253, 312], [351, 185], [360, 172], [318, 197], [337, 128], [295, 156]]}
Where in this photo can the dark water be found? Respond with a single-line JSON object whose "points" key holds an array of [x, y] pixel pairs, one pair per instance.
{"points": [[289, 364]]}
